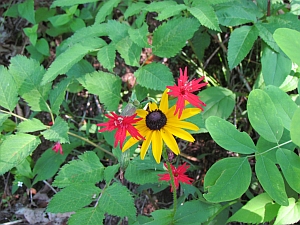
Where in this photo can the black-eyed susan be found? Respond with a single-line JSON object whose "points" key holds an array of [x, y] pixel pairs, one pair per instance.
{"points": [[159, 124]]}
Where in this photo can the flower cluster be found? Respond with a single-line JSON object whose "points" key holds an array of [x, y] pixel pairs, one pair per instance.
{"points": [[159, 123]]}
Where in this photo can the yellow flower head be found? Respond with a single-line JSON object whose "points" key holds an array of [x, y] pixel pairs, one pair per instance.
{"points": [[160, 124]]}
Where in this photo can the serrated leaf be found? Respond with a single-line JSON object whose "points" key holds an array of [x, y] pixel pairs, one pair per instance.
{"points": [[271, 179], [263, 116], [159, 6], [105, 10], [139, 36], [206, 15], [106, 56], [65, 61], [15, 148], [87, 216], [134, 8], [284, 105], [118, 201], [106, 85], [288, 214], [155, 76], [227, 179], [266, 31], [171, 37], [57, 132], [30, 125], [162, 217], [295, 132], [219, 102], [73, 197], [290, 165], [28, 74], [70, 2], [26, 10], [259, 209], [57, 95], [228, 137], [275, 67], [117, 31], [170, 11], [240, 42], [49, 162], [80, 69], [8, 90], [288, 41], [129, 51], [110, 172], [87, 169]]}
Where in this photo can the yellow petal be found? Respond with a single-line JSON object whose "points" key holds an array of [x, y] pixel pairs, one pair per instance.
{"points": [[129, 143], [152, 106], [142, 113], [146, 144], [157, 145], [170, 141], [178, 132], [182, 124], [187, 113], [164, 102]]}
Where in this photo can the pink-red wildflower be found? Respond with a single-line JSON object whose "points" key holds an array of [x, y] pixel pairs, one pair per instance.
{"points": [[179, 175], [184, 92], [123, 124], [57, 147]]}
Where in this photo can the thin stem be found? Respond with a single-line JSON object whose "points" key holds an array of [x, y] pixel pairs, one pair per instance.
{"points": [[277, 146]]}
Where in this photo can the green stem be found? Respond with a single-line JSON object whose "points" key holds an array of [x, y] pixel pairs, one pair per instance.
{"points": [[172, 181]]}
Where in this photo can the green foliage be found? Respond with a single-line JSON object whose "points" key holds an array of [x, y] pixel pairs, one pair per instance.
{"points": [[57, 132]]}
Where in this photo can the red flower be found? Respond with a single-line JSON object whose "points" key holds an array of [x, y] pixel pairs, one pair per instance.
{"points": [[123, 124], [57, 147], [178, 174], [184, 92]]}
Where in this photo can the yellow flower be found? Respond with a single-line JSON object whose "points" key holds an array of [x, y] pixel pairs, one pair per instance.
{"points": [[160, 124]]}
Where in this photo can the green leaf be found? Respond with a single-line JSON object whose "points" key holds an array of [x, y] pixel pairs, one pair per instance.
{"points": [[139, 36], [3, 118], [240, 42], [73, 197], [26, 10], [8, 90], [43, 13], [70, 2], [171, 37], [284, 105], [266, 31], [170, 11], [288, 40], [271, 179], [110, 172], [155, 76], [263, 116], [31, 125], [195, 212], [87, 216], [227, 179], [49, 162], [275, 67], [31, 33], [118, 201], [161, 217], [134, 8], [28, 74], [295, 132], [129, 51], [57, 95], [106, 85], [206, 15], [15, 148], [106, 9], [42, 46], [227, 136], [65, 61], [59, 20], [106, 56], [288, 214], [159, 6], [87, 169], [57, 132], [259, 209], [80, 69], [219, 102], [290, 165]]}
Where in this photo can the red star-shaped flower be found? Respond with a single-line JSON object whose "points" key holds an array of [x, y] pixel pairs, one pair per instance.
{"points": [[184, 92], [123, 124], [179, 175], [57, 147]]}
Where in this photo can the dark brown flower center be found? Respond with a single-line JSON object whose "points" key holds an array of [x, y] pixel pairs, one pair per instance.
{"points": [[156, 120]]}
